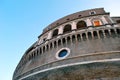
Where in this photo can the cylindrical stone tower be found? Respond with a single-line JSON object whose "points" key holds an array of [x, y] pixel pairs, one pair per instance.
{"points": [[81, 46]]}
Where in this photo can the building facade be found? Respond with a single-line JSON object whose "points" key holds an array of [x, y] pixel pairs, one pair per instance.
{"points": [[81, 46]]}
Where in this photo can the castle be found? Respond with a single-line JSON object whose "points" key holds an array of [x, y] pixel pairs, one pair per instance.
{"points": [[81, 46]]}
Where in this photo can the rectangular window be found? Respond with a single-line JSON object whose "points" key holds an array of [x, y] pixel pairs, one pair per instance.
{"points": [[97, 23], [92, 13]]}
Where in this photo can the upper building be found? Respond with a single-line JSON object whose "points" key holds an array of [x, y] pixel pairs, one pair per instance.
{"points": [[81, 46]]}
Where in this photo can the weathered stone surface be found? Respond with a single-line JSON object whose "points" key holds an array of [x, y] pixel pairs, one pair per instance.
{"points": [[91, 71], [92, 52]]}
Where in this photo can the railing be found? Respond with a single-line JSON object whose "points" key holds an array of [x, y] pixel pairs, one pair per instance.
{"points": [[77, 35]]}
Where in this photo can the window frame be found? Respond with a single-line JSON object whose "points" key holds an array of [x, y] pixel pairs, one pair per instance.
{"points": [[58, 52]]}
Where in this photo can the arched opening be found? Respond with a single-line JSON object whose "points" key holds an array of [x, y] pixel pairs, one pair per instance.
{"points": [[55, 33], [40, 51], [63, 41], [118, 32], [112, 32], [101, 34], [81, 24], [51, 45], [59, 42], [34, 54], [43, 49], [73, 38], [55, 44], [29, 57], [95, 35], [84, 36], [68, 40], [89, 35], [37, 52], [78, 37], [67, 28], [107, 33], [47, 48]]}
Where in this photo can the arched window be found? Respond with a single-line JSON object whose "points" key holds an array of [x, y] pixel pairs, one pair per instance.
{"points": [[112, 32], [40, 51], [84, 36], [89, 35], [68, 40], [73, 38], [81, 24], [55, 33], [43, 49], [59, 42], [47, 48], [32, 56], [107, 33], [78, 37], [29, 57], [51, 45], [95, 34], [101, 34], [63, 41], [67, 28], [118, 32], [55, 44], [37, 52]]}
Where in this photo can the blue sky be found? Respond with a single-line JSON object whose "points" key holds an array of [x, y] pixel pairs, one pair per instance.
{"points": [[22, 21]]}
